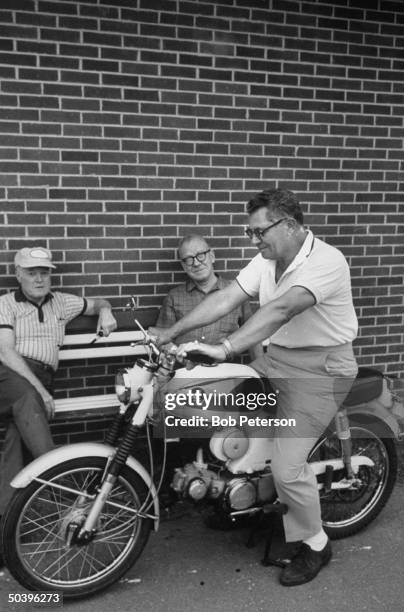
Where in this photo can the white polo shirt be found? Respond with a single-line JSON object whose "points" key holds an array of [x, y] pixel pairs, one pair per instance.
{"points": [[321, 269]]}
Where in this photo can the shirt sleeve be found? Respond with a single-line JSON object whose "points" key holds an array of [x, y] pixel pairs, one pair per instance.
{"points": [[73, 306], [249, 277], [166, 316], [324, 276], [7, 317]]}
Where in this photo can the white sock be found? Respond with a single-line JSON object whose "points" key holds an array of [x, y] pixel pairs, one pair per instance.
{"points": [[318, 541]]}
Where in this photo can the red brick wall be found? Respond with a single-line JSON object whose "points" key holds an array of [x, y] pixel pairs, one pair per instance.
{"points": [[125, 124]]}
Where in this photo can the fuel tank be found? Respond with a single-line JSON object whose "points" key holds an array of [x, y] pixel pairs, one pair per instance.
{"points": [[209, 391]]}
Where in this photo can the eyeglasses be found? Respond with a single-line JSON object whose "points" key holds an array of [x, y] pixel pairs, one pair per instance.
{"points": [[259, 233], [190, 261]]}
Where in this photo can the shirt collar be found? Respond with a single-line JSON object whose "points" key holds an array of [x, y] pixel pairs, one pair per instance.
{"points": [[301, 255], [191, 286], [20, 296], [305, 249]]}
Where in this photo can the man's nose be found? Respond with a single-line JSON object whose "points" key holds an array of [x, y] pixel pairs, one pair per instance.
{"points": [[255, 240]]}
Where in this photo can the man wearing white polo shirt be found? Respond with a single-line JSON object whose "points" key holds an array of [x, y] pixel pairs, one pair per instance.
{"points": [[32, 327], [306, 312]]}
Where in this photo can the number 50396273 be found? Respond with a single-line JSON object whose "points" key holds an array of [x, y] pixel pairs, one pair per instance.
{"points": [[36, 598]]}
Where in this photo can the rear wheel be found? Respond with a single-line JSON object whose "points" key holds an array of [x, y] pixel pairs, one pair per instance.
{"points": [[40, 529], [347, 511]]}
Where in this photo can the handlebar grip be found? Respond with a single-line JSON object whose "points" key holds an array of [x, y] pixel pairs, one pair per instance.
{"points": [[200, 358]]}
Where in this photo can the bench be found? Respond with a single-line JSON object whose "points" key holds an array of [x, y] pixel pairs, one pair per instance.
{"points": [[77, 346]]}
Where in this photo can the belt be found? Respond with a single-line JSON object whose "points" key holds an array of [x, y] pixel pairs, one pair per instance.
{"points": [[39, 364]]}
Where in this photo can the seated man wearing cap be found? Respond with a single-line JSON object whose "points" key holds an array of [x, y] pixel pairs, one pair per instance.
{"points": [[32, 327]]}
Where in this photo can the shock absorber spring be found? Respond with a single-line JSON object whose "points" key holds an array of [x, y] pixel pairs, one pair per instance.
{"points": [[123, 450], [115, 429]]}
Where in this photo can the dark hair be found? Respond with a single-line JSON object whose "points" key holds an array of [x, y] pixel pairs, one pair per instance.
{"points": [[281, 201]]}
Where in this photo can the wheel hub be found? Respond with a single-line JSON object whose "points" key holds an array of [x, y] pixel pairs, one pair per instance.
{"points": [[71, 527]]}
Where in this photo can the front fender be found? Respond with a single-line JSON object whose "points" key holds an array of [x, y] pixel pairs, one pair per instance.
{"points": [[376, 412], [75, 451]]}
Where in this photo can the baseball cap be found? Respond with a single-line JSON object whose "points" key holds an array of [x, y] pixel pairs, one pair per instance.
{"points": [[34, 257]]}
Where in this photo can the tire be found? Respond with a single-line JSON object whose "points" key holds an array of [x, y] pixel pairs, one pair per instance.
{"points": [[347, 511], [41, 518]]}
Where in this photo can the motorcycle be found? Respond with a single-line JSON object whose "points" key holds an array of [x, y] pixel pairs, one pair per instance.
{"points": [[82, 513]]}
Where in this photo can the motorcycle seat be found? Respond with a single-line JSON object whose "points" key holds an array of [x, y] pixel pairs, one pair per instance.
{"points": [[367, 386]]}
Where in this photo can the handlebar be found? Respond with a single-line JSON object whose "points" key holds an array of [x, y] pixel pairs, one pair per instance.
{"points": [[199, 358], [193, 355]]}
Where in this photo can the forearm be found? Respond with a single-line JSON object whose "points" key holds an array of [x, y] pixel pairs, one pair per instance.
{"points": [[270, 317], [100, 304], [261, 325], [212, 308], [106, 320]]}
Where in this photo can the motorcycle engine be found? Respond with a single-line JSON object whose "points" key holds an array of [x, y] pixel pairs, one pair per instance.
{"points": [[235, 443], [196, 482], [240, 494]]}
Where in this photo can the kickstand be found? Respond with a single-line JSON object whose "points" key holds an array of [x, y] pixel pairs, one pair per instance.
{"points": [[269, 511]]}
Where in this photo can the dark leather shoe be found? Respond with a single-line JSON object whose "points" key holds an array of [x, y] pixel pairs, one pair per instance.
{"points": [[305, 565]]}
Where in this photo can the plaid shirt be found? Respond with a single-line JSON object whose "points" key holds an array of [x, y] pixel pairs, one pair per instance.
{"points": [[182, 299]]}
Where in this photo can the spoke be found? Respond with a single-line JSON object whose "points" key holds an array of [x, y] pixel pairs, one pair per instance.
{"points": [[40, 552], [46, 551], [58, 560]]}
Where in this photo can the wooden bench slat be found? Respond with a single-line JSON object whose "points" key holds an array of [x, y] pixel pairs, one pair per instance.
{"points": [[88, 402], [117, 344], [115, 337], [104, 351]]}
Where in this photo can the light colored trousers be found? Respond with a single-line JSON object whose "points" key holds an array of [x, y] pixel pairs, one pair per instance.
{"points": [[312, 383]]}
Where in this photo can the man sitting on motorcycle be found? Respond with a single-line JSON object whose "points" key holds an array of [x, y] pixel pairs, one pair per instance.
{"points": [[306, 311]]}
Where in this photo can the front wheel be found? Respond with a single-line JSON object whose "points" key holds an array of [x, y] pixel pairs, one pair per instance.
{"points": [[40, 527], [347, 511]]}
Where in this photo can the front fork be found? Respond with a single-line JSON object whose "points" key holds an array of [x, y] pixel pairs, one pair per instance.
{"points": [[119, 459]]}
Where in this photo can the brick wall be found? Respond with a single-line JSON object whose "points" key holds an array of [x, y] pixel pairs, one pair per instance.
{"points": [[126, 123]]}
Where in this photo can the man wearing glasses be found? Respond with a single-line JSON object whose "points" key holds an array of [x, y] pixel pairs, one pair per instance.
{"points": [[306, 311], [197, 260]]}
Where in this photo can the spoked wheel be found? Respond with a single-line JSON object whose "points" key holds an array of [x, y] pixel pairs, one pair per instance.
{"points": [[347, 511], [41, 545]]}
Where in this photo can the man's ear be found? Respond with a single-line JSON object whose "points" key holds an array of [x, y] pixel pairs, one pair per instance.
{"points": [[292, 225], [212, 254], [18, 273]]}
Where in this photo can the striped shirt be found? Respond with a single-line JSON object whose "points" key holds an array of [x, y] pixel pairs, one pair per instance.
{"points": [[39, 330], [185, 297]]}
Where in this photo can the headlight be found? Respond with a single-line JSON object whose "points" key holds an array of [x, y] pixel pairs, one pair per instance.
{"points": [[129, 380]]}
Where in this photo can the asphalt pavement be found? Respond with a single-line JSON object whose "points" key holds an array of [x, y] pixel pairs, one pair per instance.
{"points": [[187, 567]]}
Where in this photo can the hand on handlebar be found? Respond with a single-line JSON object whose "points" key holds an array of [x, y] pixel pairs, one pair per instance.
{"points": [[214, 353]]}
